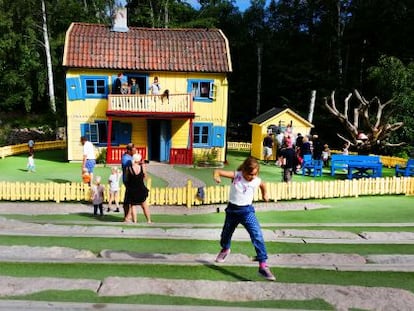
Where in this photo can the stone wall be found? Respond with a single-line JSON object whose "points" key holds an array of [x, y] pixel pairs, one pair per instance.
{"points": [[21, 136]]}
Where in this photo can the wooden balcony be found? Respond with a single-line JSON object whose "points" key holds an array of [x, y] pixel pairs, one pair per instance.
{"points": [[179, 105]]}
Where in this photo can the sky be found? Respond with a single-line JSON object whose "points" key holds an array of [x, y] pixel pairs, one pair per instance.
{"points": [[241, 4]]}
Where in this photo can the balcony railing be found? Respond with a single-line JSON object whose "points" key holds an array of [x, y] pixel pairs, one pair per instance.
{"points": [[173, 103]]}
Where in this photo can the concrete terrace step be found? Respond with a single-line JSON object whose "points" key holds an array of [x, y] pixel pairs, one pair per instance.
{"points": [[327, 261], [340, 297], [15, 227], [24, 305]]}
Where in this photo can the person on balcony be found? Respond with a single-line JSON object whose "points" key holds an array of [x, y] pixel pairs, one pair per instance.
{"points": [[134, 87], [116, 88], [155, 87], [125, 88]]}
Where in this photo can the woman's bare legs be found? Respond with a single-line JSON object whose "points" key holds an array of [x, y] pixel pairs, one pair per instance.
{"points": [[128, 216], [133, 212], [145, 209]]}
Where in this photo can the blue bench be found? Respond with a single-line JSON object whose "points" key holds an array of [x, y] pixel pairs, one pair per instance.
{"points": [[357, 166], [311, 166], [407, 170]]}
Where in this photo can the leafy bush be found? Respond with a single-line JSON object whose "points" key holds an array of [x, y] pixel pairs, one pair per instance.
{"points": [[101, 159]]}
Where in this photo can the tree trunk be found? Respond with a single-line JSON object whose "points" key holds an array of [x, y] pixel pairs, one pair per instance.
{"points": [[259, 77], [312, 106], [166, 17], [339, 33], [52, 99], [152, 14]]}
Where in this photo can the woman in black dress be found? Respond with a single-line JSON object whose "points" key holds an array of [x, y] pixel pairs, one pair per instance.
{"points": [[136, 189]]}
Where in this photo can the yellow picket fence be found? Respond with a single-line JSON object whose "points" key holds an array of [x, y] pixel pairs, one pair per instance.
{"points": [[239, 146], [75, 192]]}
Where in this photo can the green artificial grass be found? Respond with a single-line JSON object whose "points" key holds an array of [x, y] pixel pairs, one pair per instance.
{"points": [[51, 166], [370, 210], [355, 230], [97, 271], [92, 297], [172, 246]]}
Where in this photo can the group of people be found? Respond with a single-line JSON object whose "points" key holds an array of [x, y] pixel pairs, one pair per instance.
{"points": [[245, 181], [133, 176], [291, 150], [120, 87]]}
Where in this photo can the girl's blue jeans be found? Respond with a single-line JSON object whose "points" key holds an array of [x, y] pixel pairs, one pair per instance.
{"points": [[246, 216]]}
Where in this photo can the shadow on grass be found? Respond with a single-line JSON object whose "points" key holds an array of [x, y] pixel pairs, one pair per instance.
{"points": [[223, 271], [58, 180], [104, 218], [57, 155]]}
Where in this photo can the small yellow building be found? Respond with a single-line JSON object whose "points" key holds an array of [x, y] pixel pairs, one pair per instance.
{"points": [[276, 120], [186, 117]]}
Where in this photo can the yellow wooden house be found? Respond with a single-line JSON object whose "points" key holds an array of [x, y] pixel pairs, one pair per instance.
{"points": [[276, 120], [187, 117]]}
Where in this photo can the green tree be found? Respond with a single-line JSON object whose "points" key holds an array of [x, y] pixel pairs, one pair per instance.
{"points": [[391, 78], [21, 62]]}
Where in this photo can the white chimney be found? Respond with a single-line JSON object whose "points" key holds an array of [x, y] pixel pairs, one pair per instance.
{"points": [[119, 20]]}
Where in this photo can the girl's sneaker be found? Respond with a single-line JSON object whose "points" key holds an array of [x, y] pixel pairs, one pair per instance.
{"points": [[267, 274], [221, 257]]}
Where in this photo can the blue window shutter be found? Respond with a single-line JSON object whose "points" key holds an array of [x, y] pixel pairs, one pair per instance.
{"points": [[218, 136], [94, 133], [124, 130], [74, 88], [189, 86], [85, 130], [212, 93]]}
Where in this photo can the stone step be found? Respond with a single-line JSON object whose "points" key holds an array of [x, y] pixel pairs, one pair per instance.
{"points": [[340, 297], [331, 261]]}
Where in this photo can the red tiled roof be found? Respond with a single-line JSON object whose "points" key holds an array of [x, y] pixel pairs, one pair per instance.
{"points": [[150, 49]]}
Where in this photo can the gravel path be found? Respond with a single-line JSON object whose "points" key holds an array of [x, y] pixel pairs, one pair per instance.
{"points": [[172, 176]]}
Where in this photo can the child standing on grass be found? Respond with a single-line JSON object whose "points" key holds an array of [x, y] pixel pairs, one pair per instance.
{"points": [[114, 187], [326, 155], [241, 211], [97, 196], [31, 168]]}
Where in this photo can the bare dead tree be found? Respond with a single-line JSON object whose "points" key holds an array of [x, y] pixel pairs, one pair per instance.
{"points": [[366, 120]]}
